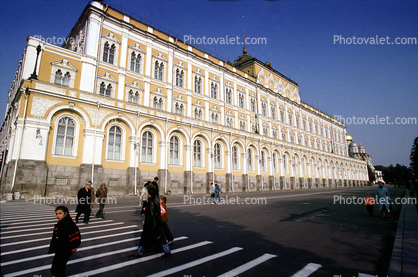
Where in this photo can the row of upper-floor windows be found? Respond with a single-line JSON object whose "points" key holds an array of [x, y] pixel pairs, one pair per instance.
{"points": [[66, 138], [134, 96], [158, 103]]}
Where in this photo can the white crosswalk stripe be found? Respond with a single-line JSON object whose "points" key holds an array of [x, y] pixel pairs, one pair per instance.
{"points": [[25, 240]]}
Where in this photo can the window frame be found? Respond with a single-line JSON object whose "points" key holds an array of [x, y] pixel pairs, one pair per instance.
{"points": [[149, 158], [122, 146], [75, 137]]}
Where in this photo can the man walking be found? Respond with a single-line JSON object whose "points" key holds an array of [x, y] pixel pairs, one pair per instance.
{"points": [[155, 183], [101, 195], [84, 201], [217, 190]]}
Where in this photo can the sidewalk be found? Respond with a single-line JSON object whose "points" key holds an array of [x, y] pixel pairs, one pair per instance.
{"points": [[404, 260]]}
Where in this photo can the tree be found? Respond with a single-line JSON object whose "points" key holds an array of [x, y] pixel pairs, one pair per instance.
{"points": [[414, 157]]}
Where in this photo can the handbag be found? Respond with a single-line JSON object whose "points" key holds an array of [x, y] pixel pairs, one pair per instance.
{"points": [[163, 211]]}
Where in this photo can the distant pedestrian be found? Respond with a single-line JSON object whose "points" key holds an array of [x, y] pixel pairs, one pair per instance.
{"points": [[152, 231], [164, 219], [383, 199], [369, 201], [212, 193], [84, 201], [65, 240], [143, 198], [155, 183], [217, 191], [101, 195], [414, 192]]}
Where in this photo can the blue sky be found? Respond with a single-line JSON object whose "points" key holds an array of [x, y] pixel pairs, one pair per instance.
{"points": [[357, 83]]}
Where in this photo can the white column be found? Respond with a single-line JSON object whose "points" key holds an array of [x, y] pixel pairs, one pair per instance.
{"points": [[163, 155], [88, 148]]}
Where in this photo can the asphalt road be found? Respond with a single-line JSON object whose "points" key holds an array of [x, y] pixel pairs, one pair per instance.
{"points": [[320, 232]]}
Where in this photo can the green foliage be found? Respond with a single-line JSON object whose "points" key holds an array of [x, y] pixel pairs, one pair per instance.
{"points": [[398, 174]]}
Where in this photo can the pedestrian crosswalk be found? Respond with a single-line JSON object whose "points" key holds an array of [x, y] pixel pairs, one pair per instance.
{"points": [[107, 248]]}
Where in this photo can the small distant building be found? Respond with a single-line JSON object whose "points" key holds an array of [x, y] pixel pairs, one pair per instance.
{"points": [[359, 152]]}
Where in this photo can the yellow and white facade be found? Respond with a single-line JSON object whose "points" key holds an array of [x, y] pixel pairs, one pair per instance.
{"points": [[122, 102]]}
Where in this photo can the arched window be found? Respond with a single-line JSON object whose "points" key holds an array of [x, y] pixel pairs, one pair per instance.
{"points": [[263, 161], [58, 76], [253, 105], [290, 116], [285, 165], [109, 53], [146, 147], [250, 160], [229, 122], [112, 53], [215, 118], [303, 167], [135, 62], [263, 109], [214, 90], [106, 52], [66, 79], [242, 125], [133, 97], [65, 137], [197, 84], [109, 90], [159, 70], [114, 144], [102, 88], [179, 108], [217, 155], [197, 153], [179, 77], [174, 150], [234, 158], [241, 100], [275, 163], [228, 96], [273, 112]]}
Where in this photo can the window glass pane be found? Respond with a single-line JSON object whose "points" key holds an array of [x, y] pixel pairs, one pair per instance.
{"points": [[66, 80], [58, 77], [61, 130], [59, 145], [118, 138], [70, 131]]}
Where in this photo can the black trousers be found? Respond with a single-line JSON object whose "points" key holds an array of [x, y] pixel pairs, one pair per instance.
{"points": [[370, 209], [86, 215], [167, 231], [100, 213], [59, 262]]}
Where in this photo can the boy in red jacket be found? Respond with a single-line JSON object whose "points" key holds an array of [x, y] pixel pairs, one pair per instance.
{"points": [[369, 201]]}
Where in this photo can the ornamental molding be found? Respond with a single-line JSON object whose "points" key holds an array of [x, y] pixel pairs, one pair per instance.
{"points": [[93, 98], [110, 36], [160, 57], [137, 47], [41, 105], [92, 112], [49, 88]]}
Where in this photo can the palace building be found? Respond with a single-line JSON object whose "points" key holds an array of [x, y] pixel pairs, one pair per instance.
{"points": [[122, 102]]}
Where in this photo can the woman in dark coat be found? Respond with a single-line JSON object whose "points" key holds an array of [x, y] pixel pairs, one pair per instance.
{"points": [[65, 241], [152, 233]]}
